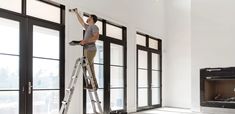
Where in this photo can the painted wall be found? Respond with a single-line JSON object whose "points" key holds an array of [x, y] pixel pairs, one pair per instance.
{"points": [[211, 40], [178, 54], [213, 32], [136, 15]]}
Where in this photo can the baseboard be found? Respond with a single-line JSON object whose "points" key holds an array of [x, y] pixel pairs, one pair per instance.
{"points": [[131, 110], [211, 110]]}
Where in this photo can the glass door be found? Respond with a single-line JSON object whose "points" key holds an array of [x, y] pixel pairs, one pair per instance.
{"points": [[117, 77], [149, 72], [156, 79], [142, 71], [31, 57], [45, 69], [9, 66]]}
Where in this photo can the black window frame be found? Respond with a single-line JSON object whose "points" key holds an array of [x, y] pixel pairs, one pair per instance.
{"points": [[25, 48], [107, 40], [149, 70]]}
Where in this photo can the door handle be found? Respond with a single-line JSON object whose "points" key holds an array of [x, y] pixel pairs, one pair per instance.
{"points": [[30, 87]]}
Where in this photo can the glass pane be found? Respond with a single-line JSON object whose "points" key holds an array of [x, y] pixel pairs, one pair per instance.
{"points": [[155, 96], [113, 31], [142, 59], [117, 76], [46, 39], [9, 40], [141, 40], [155, 61], [99, 73], [142, 97], [46, 102], [98, 23], [9, 72], [89, 108], [156, 79], [116, 52], [142, 78], [9, 102], [13, 5], [37, 9], [153, 43], [117, 101], [99, 57], [45, 74]]}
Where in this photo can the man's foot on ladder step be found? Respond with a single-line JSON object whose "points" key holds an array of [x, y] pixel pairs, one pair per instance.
{"points": [[89, 87]]}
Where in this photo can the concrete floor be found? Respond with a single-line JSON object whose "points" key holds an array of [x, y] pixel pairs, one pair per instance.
{"points": [[187, 111], [167, 111]]}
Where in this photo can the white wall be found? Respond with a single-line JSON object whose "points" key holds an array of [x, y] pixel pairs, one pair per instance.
{"points": [[211, 40], [178, 54], [213, 32], [136, 15]]}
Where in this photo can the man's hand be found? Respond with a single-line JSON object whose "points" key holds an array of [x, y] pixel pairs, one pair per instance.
{"points": [[73, 10], [80, 19], [83, 42]]}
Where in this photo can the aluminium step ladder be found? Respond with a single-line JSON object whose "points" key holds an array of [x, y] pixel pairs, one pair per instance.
{"points": [[82, 64]]}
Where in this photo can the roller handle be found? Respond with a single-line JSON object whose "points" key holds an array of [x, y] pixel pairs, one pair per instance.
{"points": [[74, 42]]}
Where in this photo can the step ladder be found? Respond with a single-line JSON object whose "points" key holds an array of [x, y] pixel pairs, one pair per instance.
{"points": [[82, 64]]}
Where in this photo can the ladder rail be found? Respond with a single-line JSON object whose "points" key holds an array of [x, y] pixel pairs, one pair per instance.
{"points": [[82, 65], [70, 89], [75, 73]]}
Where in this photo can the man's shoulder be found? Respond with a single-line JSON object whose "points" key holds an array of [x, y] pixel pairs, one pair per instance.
{"points": [[94, 26]]}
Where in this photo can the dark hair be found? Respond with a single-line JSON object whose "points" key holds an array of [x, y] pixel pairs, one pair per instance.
{"points": [[94, 17]]}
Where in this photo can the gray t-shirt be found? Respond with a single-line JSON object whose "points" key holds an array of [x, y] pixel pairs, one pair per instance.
{"points": [[89, 31]]}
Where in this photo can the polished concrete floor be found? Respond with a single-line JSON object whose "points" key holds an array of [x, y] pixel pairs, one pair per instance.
{"points": [[167, 111]]}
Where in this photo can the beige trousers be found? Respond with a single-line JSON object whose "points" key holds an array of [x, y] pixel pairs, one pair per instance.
{"points": [[90, 56]]}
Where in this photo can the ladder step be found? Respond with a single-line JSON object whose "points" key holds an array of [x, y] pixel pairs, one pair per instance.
{"points": [[64, 102], [73, 77], [68, 89], [95, 101]]}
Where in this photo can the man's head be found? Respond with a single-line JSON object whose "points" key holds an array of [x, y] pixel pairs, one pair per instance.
{"points": [[92, 19]]}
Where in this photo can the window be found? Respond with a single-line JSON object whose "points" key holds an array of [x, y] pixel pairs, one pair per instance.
{"points": [[43, 38], [114, 32], [148, 72], [153, 43], [12, 5], [140, 40], [32, 59], [37, 9], [10, 31]]}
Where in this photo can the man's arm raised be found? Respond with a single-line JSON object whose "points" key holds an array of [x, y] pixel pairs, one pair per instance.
{"points": [[80, 19]]}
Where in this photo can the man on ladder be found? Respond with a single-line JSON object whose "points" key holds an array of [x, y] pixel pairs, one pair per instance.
{"points": [[90, 37], [85, 63]]}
